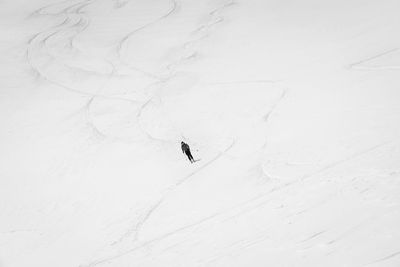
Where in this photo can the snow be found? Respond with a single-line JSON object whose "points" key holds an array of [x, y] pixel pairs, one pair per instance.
{"points": [[292, 107]]}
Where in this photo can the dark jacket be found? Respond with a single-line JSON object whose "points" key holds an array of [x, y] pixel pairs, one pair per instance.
{"points": [[185, 147]]}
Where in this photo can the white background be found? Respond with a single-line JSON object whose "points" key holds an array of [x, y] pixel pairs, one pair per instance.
{"points": [[292, 108]]}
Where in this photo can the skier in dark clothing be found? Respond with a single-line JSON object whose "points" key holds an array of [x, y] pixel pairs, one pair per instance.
{"points": [[186, 150]]}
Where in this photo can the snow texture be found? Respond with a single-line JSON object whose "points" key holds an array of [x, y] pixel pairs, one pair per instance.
{"points": [[292, 107]]}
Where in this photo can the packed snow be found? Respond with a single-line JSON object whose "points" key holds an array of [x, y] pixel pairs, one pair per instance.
{"points": [[290, 107]]}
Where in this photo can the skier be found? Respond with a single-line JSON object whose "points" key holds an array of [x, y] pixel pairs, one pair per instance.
{"points": [[186, 150]]}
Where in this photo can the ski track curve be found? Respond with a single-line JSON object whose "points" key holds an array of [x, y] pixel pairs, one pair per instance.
{"points": [[395, 254], [238, 210], [121, 44], [81, 23], [170, 67], [358, 65], [139, 225], [120, 3], [74, 21], [205, 28], [136, 228]]}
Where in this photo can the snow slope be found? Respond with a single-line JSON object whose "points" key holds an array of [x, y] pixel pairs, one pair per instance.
{"points": [[292, 107]]}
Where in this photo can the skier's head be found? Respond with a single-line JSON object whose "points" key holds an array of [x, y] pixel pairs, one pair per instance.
{"points": [[182, 143]]}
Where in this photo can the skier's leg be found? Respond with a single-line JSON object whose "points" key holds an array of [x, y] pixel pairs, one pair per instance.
{"points": [[191, 157], [188, 155]]}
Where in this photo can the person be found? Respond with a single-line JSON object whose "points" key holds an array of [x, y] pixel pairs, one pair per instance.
{"points": [[186, 150]]}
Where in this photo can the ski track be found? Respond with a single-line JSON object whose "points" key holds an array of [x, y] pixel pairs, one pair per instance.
{"points": [[136, 228], [267, 116], [125, 39], [350, 230], [120, 3], [89, 121], [358, 65], [395, 254], [149, 242], [37, 43], [159, 81], [328, 167], [206, 28], [217, 18], [39, 11], [265, 197], [266, 119], [344, 160], [236, 247], [185, 179], [20, 231], [242, 82], [84, 24], [79, 24], [169, 67], [239, 210], [313, 236], [74, 19]]}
